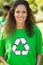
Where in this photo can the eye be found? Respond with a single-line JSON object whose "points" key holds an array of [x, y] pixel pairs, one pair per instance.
{"points": [[24, 12], [17, 11]]}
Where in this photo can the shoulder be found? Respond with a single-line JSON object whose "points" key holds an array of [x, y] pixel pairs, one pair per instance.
{"points": [[1, 17], [1, 35], [37, 30]]}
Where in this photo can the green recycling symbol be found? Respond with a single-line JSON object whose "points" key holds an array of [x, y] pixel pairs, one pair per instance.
{"points": [[18, 52]]}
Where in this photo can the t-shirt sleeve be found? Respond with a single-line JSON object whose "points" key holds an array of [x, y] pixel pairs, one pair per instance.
{"points": [[1, 45], [38, 41]]}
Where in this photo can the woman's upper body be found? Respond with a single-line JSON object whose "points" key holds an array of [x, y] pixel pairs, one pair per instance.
{"points": [[21, 41], [21, 49]]}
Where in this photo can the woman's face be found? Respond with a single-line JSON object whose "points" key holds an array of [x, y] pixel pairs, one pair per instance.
{"points": [[20, 13]]}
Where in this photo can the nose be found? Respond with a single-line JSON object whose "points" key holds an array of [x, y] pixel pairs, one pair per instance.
{"points": [[21, 14]]}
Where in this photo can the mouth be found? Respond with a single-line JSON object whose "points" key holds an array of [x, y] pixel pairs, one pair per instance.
{"points": [[20, 18]]}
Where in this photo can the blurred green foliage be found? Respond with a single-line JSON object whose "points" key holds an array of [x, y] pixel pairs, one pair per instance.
{"points": [[34, 4]]}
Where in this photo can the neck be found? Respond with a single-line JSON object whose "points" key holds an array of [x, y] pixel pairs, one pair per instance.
{"points": [[4, 16], [20, 25]]}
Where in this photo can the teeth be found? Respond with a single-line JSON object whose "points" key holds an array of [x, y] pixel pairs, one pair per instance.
{"points": [[21, 18]]}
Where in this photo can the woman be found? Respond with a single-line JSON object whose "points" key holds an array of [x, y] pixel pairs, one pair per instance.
{"points": [[21, 41]]}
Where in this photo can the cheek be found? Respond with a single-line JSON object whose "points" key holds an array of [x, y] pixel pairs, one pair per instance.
{"points": [[25, 16], [16, 15]]}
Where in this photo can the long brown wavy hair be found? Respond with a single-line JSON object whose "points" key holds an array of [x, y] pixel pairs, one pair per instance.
{"points": [[10, 24]]}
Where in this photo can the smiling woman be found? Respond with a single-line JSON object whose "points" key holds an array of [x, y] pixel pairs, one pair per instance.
{"points": [[21, 40], [20, 15]]}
